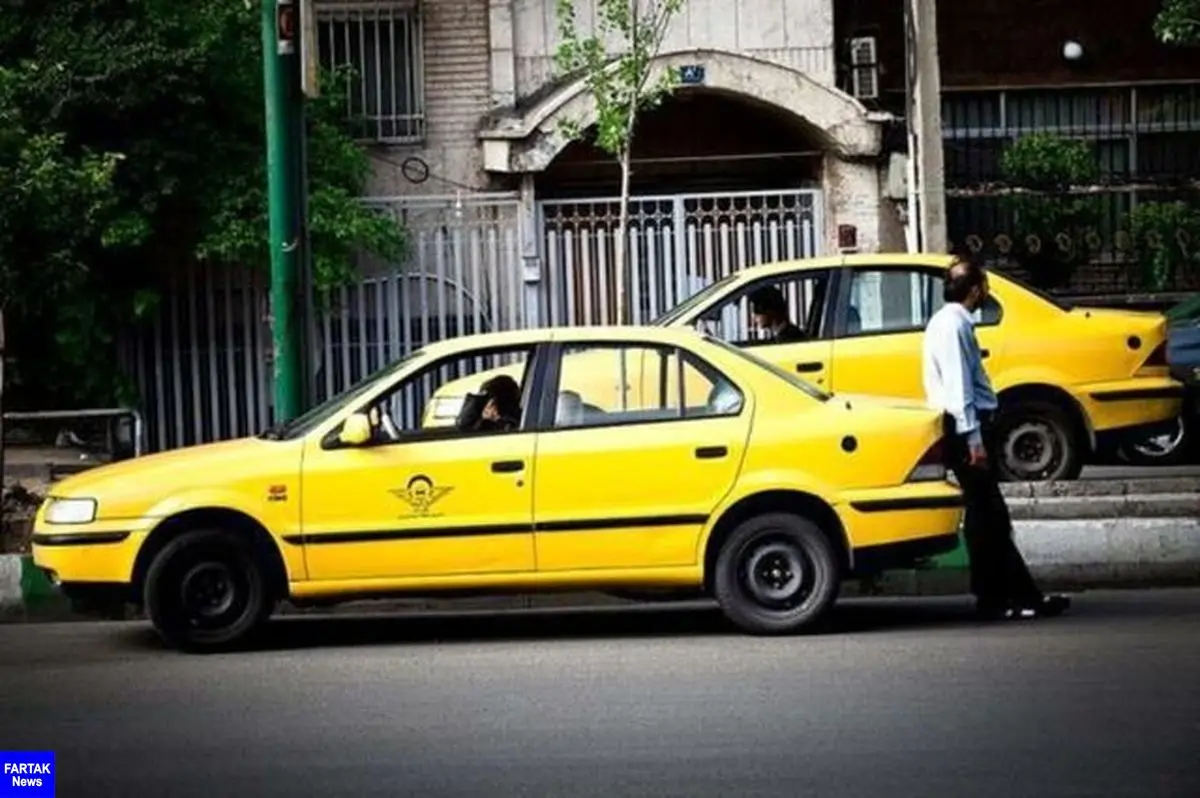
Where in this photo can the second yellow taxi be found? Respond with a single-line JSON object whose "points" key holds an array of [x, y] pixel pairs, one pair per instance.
{"points": [[723, 474]]}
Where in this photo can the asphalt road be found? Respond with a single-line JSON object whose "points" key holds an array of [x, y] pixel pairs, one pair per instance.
{"points": [[901, 698]]}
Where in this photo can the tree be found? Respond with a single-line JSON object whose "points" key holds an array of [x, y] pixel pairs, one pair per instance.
{"points": [[131, 146], [1178, 22], [620, 84]]}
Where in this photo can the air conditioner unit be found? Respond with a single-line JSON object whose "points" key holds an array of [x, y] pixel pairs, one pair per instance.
{"points": [[864, 68]]}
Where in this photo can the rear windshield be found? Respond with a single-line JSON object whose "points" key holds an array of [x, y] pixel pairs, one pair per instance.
{"points": [[783, 374]]}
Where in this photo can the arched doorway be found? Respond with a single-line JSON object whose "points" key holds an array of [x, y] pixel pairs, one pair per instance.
{"points": [[696, 141], [718, 182]]}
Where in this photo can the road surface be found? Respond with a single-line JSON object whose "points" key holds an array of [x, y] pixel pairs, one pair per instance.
{"points": [[901, 698]]}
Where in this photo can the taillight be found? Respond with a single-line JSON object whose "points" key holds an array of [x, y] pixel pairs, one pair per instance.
{"points": [[932, 465]]}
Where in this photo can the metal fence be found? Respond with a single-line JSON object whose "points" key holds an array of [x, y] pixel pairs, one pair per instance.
{"points": [[203, 367], [1145, 141], [677, 243]]}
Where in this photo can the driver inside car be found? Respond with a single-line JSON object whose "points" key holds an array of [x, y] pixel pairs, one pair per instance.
{"points": [[496, 408]]}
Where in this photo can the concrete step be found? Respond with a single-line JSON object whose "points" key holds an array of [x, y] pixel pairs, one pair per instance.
{"points": [[1129, 505]]}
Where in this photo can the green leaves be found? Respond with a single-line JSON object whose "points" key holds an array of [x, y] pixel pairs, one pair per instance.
{"points": [[619, 79], [131, 145], [1178, 22]]}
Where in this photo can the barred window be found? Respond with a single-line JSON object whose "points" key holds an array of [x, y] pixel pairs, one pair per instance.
{"points": [[380, 41]]}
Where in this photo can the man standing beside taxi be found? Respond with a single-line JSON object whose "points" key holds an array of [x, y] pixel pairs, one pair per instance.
{"points": [[957, 384]]}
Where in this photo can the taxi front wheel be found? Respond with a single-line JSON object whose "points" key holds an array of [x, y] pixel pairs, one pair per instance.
{"points": [[205, 591], [776, 574]]}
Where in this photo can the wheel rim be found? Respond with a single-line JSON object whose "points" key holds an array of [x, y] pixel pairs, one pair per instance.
{"points": [[776, 574], [1162, 445], [1033, 449], [212, 595]]}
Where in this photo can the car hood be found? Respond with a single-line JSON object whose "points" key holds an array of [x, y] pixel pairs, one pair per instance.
{"points": [[129, 488]]}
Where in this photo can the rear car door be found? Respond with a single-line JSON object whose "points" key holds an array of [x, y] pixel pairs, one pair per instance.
{"points": [[880, 318], [633, 486]]}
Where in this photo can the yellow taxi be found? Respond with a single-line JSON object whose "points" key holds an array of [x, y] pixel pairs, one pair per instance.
{"points": [[732, 476], [1071, 381]]}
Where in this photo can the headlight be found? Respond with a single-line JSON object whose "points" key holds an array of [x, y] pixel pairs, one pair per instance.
{"points": [[70, 511]]}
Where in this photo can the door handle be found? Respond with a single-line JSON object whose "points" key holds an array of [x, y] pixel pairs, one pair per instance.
{"points": [[507, 466], [711, 452], [809, 367]]}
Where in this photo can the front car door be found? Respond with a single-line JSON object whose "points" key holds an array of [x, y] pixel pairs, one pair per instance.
{"points": [[879, 320], [424, 500], [633, 487], [809, 297]]}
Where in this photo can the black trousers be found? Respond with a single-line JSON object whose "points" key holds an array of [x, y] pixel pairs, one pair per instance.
{"points": [[999, 576]]}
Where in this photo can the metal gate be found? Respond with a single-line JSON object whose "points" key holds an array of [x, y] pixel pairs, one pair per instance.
{"points": [[677, 244]]}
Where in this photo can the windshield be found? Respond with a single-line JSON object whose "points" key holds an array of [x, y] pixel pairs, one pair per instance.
{"points": [[783, 374], [301, 425], [695, 300]]}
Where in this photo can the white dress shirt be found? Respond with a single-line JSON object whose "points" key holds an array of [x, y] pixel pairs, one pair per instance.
{"points": [[952, 364]]}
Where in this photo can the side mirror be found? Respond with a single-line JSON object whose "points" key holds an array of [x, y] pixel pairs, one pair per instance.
{"points": [[356, 430]]}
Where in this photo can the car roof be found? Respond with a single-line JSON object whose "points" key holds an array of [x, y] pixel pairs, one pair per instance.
{"points": [[535, 335], [876, 260]]}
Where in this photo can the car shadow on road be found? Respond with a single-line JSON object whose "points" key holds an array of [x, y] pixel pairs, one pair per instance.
{"points": [[659, 621]]}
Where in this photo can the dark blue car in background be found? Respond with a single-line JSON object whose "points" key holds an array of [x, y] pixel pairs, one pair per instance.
{"points": [[1182, 444]]}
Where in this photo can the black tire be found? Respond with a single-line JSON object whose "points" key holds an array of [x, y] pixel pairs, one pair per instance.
{"points": [[205, 591], [1037, 442], [776, 574]]}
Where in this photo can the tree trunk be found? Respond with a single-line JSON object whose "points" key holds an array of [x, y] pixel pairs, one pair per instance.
{"points": [[621, 241]]}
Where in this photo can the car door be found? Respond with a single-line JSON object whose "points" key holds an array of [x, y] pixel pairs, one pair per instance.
{"points": [[808, 294], [634, 487], [880, 321], [422, 502]]}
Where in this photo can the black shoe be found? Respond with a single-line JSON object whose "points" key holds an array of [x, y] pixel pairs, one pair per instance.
{"points": [[1049, 607], [1053, 606]]}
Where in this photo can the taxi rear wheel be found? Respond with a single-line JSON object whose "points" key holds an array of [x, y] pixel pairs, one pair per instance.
{"points": [[777, 573], [1037, 442], [205, 591]]}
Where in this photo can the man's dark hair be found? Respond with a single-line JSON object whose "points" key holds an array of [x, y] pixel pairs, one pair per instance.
{"points": [[768, 301], [963, 275]]}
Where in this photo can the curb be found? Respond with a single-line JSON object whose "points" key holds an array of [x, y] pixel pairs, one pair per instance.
{"points": [[1063, 554]]}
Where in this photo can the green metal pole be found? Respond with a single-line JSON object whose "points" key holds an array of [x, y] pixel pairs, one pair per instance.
{"points": [[281, 90]]}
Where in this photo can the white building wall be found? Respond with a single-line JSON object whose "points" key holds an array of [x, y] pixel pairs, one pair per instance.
{"points": [[796, 33]]}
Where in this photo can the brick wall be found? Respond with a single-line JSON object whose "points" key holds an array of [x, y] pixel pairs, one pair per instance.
{"points": [[457, 95]]}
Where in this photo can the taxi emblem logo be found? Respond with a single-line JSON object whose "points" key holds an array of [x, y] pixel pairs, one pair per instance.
{"points": [[421, 494]]}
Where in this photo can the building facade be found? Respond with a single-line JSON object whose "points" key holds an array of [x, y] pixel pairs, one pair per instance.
{"points": [[758, 155], [1085, 70]]}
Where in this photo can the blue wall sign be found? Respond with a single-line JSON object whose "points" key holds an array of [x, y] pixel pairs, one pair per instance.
{"points": [[691, 74]]}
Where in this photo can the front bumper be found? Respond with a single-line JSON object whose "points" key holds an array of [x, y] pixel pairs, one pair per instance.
{"points": [[95, 554]]}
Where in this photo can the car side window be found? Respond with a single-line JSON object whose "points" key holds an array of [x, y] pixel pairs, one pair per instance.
{"points": [[474, 393], [608, 384], [804, 294], [899, 300]]}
